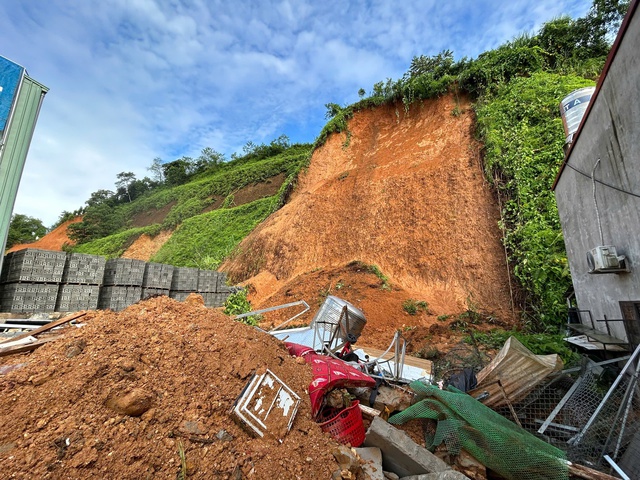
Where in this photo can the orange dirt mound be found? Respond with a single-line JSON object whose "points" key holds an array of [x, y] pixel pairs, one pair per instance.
{"points": [[54, 240], [407, 194], [381, 304], [182, 361], [146, 247]]}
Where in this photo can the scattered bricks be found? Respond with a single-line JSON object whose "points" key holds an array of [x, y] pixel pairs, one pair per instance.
{"points": [[401, 455], [124, 272], [184, 279], [208, 281], [85, 269], [157, 275]]}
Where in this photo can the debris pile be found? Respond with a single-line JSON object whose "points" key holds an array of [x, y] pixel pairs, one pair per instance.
{"points": [[147, 393], [168, 389]]}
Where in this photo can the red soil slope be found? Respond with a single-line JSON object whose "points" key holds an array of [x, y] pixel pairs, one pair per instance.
{"points": [[54, 240], [406, 194]]}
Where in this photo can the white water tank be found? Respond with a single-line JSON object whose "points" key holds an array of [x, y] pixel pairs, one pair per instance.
{"points": [[572, 108]]}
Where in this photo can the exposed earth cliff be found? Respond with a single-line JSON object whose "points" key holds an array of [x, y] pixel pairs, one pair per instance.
{"points": [[402, 191]]}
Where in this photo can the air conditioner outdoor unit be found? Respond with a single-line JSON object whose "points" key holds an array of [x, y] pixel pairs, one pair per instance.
{"points": [[605, 259]]}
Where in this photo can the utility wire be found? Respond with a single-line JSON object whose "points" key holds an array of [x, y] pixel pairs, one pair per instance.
{"points": [[637, 195]]}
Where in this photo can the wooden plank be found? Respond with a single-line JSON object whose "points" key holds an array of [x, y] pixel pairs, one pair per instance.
{"points": [[368, 411], [27, 347], [46, 327], [587, 473], [408, 359]]}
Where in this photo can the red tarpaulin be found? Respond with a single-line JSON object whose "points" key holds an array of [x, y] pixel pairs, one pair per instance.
{"points": [[328, 373]]}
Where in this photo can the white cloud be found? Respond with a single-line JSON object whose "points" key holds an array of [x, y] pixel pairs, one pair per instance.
{"points": [[132, 80]]}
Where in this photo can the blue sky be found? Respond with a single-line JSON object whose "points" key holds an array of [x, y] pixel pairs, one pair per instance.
{"points": [[132, 80]]}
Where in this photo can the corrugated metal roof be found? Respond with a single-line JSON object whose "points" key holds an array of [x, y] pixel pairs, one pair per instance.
{"points": [[13, 153]]}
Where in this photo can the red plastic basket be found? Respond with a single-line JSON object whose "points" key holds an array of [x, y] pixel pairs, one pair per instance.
{"points": [[347, 426]]}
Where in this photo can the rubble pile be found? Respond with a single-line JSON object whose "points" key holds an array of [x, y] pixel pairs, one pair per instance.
{"points": [[147, 393]]}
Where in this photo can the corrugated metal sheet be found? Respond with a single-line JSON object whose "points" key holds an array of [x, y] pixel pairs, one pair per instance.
{"points": [[13, 153], [519, 371]]}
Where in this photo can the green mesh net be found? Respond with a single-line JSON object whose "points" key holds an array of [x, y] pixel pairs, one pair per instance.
{"points": [[497, 443]]}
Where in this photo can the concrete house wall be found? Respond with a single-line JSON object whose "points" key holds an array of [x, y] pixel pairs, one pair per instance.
{"points": [[610, 133]]}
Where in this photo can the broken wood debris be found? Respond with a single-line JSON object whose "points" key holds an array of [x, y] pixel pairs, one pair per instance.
{"points": [[28, 347], [45, 328]]}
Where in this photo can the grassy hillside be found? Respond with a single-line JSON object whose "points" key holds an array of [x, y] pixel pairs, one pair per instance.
{"points": [[204, 238]]}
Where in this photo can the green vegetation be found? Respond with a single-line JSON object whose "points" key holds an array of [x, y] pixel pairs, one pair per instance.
{"points": [[182, 472], [428, 352], [412, 307], [24, 229], [238, 304], [517, 88], [381, 276], [523, 137], [66, 216], [206, 240], [540, 344], [114, 246], [198, 184], [385, 285]]}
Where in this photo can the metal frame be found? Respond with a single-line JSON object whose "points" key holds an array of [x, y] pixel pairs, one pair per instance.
{"points": [[574, 387], [578, 438], [277, 307]]}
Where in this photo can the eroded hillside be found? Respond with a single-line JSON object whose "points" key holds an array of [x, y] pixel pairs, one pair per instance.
{"points": [[403, 191]]}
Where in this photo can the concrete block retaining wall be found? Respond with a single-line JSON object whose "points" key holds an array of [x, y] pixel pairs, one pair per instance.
{"points": [[34, 280], [124, 271]]}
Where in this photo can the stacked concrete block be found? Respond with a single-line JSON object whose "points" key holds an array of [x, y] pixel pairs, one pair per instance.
{"points": [[122, 283], [178, 295], [222, 284], [212, 299], [81, 280], [30, 280], [154, 292], [72, 298], [116, 298], [28, 297], [212, 287], [157, 279], [40, 280], [184, 279], [32, 265], [208, 280], [124, 272], [83, 269]]}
